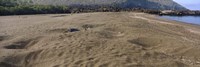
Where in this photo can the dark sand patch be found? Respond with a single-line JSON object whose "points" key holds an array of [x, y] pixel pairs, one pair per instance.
{"points": [[3, 38], [63, 30], [59, 16], [4, 64], [23, 44]]}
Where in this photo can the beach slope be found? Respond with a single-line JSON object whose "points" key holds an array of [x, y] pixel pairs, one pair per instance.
{"points": [[99, 39]]}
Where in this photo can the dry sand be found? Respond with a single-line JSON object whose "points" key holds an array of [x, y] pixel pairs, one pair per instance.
{"points": [[121, 39]]}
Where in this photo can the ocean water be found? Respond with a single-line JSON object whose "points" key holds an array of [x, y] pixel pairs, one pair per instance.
{"points": [[186, 19]]}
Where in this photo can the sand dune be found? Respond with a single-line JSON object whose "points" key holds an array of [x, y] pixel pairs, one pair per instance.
{"points": [[110, 39]]}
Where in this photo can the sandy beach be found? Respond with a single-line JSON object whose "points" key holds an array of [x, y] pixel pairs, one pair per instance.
{"points": [[99, 39]]}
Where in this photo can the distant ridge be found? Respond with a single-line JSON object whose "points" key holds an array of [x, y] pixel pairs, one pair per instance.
{"points": [[146, 4]]}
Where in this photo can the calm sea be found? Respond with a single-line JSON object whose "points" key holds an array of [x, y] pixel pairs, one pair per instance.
{"points": [[186, 19]]}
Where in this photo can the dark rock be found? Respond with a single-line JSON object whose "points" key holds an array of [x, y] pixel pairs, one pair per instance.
{"points": [[73, 30]]}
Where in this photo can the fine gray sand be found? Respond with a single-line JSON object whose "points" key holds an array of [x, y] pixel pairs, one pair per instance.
{"points": [[109, 39]]}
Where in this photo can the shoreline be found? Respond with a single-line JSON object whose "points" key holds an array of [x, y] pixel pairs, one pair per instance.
{"points": [[179, 13], [169, 17]]}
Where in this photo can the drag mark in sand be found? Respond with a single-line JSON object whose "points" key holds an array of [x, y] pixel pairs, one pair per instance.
{"points": [[150, 20], [194, 31]]}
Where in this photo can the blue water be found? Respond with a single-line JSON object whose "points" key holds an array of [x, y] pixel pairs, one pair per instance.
{"points": [[186, 19]]}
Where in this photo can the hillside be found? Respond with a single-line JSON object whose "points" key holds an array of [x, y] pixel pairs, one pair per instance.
{"points": [[21, 7], [147, 4]]}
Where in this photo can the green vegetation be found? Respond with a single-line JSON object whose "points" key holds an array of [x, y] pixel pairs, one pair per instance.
{"points": [[12, 7], [8, 3], [21, 7], [49, 9], [32, 9]]}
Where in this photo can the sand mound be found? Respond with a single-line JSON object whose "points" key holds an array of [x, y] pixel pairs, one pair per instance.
{"points": [[97, 40], [147, 41]]}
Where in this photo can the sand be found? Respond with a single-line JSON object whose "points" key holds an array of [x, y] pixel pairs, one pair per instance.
{"points": [[100, 39]]}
